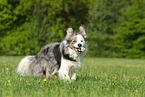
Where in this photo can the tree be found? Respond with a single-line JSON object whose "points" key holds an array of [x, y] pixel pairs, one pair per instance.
{"points": [[7, 16], [130, 36], [27, 25], [103, 17]]}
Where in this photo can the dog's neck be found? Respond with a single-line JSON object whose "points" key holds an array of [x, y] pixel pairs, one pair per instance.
{"points": [[67, 56]]}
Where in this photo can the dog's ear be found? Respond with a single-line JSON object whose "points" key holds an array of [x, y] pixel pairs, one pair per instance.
{"points": [[82, 32], [70, 33]]}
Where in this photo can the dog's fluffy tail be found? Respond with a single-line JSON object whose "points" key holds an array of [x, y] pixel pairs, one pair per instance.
{"points": [[24, 66]]}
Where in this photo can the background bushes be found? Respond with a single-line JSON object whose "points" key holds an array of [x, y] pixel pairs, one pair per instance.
{"points": [[115, 27], [130, 36]]}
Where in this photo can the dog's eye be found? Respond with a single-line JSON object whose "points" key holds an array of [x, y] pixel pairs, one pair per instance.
{"points": [[74, 41], [68, 41], [81, 40]]}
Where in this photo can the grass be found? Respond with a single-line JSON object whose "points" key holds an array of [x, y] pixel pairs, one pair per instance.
{"points": [[98, 77]]}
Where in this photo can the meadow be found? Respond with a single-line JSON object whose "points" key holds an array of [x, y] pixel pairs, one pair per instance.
{"points": [[98, 77]]}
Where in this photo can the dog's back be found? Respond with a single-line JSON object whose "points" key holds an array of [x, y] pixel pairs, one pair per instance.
{"points": [[48, 57]]}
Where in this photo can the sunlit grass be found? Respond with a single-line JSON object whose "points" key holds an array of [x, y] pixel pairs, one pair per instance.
{"points": [[98, 77]]}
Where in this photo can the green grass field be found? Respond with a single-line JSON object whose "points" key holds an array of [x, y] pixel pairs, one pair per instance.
{"points": [[98, 77]]}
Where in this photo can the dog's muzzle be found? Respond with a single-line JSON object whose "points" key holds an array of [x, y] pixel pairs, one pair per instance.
{"points": [[79, 50]]}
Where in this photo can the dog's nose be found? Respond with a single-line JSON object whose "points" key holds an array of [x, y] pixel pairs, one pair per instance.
{"points": [[79, 45]]}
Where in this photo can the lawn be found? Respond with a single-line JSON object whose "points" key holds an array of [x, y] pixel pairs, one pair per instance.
{"points": [[98, 77]]}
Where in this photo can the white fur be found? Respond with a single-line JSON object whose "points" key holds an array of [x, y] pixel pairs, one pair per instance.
{"points": [[69, 68], [24, 66], [80, 40]]}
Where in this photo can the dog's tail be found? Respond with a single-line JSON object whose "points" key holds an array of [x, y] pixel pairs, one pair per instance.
{"points": [[24, 66]]}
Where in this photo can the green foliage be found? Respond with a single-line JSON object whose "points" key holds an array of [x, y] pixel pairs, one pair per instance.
{"points": [[7, 15], [36, 23], [19, 43], [68, 13], [103, 16], [116, 28], [130, 35]]}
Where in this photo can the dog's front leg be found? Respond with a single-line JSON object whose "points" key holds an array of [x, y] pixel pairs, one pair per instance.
{"points": [[63, 74], [47, 73], [74, 74]]}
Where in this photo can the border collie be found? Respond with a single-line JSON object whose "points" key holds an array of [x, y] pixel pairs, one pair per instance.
{"points": [[61, 58]]}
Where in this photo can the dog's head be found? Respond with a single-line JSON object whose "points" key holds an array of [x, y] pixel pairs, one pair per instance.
{"points": [[76, 43]]}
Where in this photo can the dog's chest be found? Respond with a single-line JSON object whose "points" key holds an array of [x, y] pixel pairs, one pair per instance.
{"points": [[68, 64]]}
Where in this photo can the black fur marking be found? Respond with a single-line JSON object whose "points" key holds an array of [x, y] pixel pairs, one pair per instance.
{"points": [[45, 51], [57, 54], [44, 72], [67, 56]]}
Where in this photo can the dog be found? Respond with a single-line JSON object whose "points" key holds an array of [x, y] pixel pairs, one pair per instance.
{"points": [[61, 58]]}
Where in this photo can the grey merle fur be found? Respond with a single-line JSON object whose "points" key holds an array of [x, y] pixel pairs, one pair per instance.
{"points": [[49, 57]]}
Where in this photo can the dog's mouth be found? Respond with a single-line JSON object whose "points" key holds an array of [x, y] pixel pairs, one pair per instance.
{"points": [[79, 50]]}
